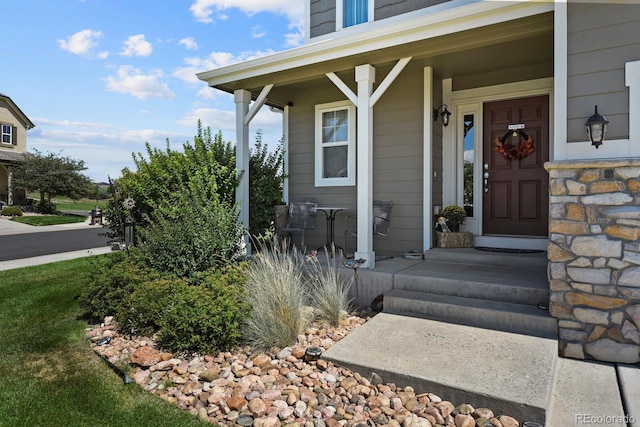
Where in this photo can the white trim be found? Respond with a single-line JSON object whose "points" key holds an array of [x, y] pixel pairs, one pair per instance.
{"points": [[257, 105], [471, 100], [375, 37], [365, 76], [350, 179], [340, 15], [242, 99], [560, 77], [449, 165], [632, 80], [472, 224], [285, 154], [427, 159], [343, 87], [388, 80]]}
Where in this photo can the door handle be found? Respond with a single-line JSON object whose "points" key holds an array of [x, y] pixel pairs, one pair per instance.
{"points": [[486, 177]]}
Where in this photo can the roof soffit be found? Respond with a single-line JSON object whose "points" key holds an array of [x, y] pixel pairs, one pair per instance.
{"points": [[462, 28]]}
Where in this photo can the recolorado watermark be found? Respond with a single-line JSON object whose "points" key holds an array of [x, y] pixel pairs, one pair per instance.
{"points": [[605, 419]]}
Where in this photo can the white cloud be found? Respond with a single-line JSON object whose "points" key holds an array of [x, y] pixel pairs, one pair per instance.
{"points": [[293, 10], [189, 43], [257, 32], [82, 42], [213, 60], [136, 46], [225, 121], [133, 82]]}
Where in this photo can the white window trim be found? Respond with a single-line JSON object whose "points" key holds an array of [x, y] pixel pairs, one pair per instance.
{"points": [[350, 179], [340, 9], [2, 134]]}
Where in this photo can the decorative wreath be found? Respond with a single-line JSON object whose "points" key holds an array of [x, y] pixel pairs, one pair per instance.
{"points": [[510, 151]]}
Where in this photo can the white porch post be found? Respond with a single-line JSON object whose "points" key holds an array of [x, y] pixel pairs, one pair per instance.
{"points": [[365, 77], [632, 79], [427, 178], [242, 99]]}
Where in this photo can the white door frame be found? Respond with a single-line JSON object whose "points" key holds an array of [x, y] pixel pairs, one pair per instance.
{"points": [[470, 101]]}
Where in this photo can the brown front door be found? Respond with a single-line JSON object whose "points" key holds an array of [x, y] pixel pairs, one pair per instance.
{"points": [[515, 190]]}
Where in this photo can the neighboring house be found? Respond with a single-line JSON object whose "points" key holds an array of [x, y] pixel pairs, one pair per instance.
{"points": [[13, 144], [362, 103]]}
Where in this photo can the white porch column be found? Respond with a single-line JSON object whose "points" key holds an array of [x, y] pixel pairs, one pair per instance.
{"points": [[242, 99], [632, 78], [427, 178], [365, 77]]}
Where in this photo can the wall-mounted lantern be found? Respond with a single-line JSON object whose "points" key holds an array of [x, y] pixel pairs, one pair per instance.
{"points": [[444, 114], [596, 128]]}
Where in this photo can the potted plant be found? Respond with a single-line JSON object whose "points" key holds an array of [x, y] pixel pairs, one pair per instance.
{"points": [[454, 216]]}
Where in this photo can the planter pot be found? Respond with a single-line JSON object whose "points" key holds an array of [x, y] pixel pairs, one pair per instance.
{"points": [[454, 240]]}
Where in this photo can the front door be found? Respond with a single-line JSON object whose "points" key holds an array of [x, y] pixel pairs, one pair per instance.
{"points": [[515, 183]]}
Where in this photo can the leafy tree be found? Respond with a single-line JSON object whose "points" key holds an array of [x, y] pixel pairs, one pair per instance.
{"points": [[52, 175], [266, 176]]}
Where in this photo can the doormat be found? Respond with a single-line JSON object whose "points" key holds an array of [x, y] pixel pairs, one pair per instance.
{"points": [[508, 250]]}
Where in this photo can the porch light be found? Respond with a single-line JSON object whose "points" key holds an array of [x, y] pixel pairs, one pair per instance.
{"points": [[445, 114], [596, 128]]}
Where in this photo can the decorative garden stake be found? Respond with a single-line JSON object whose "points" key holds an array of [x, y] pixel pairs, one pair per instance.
{"points": [[355, 264]]}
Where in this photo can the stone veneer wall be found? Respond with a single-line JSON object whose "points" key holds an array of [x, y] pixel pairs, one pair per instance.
{"points": [[594, 258]]}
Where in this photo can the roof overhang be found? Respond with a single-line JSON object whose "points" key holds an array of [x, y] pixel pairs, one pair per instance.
{"points": [[467, 26], [28, 124]]}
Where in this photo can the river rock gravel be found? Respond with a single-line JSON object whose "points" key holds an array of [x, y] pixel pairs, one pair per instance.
{"points": [[281, 388]]}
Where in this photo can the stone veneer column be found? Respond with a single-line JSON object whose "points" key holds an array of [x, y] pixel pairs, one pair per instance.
{"points": [[594, 258]]}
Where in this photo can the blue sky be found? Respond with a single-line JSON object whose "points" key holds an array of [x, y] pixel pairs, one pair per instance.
{"points": [[99, 78]]}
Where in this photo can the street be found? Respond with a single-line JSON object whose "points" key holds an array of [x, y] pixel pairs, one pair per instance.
{"points": [[18, 246]]}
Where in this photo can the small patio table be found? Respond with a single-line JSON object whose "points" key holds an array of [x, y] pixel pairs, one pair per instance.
{"points": [[330, 213]]}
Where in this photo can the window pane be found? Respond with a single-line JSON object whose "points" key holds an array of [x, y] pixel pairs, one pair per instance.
{"points": [[354, 12], [469, 167], [335, 126], [335, 162]]}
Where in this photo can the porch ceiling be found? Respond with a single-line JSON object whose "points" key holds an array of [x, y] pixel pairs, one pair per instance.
{"points": [[508, 45]]}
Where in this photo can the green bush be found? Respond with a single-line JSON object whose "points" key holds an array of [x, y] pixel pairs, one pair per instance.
{"points": [[206, 318], [275, 292], [143, 310], [455, 215], [192, 234], [11, 211], [112, 283]]}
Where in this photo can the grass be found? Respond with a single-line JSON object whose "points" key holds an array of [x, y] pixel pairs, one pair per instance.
{"points": [[39, 220], [50, 375], [66, 204]]}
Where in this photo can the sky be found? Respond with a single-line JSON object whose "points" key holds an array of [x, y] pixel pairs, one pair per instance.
{"points": [[100, 78]]}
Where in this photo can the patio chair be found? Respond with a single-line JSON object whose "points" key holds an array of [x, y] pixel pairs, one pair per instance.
{"points": [[302, 217], [381, 221]]}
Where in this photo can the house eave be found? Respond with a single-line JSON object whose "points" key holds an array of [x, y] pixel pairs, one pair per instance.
{"points": [[28, 124], [450, 21]]}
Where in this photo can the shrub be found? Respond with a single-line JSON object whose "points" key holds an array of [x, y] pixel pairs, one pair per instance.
{"points": [[275, 292], [191, 235], [111, 283], [208, 317], [328, 291], [143, 310], [11, 211]]}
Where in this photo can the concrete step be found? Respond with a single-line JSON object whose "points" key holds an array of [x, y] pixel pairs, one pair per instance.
{"points": [[509, 373], [482, 313], [530, 261], [480, 281]]}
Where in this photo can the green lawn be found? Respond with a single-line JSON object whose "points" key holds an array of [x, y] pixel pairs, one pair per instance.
{"points": [[50, 375], [49, 219]]}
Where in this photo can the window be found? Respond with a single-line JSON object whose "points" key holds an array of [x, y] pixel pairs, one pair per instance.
{"points": [[7, 134], [335, 162], [354, 12], [469, 167]]}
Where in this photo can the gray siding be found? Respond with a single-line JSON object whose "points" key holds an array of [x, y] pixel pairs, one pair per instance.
{"points": [[322, 17], [397, 164], [388, 8], [601, 38]]}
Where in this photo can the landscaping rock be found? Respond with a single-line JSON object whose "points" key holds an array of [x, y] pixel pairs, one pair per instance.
{"points": [[278, 388]]}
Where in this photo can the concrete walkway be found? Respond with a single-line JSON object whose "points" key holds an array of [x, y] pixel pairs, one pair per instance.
{"points": [[512, 374]]}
